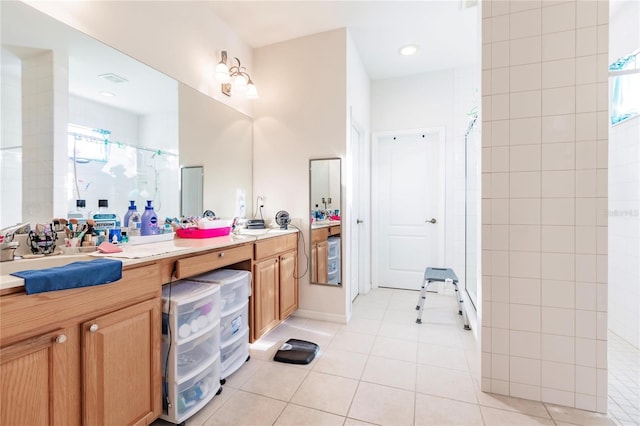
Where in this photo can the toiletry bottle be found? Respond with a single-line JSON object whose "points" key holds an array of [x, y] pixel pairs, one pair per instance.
{"points": [[149, 221], [127, 216], [135, 223], [79, 213], [105, 218]]}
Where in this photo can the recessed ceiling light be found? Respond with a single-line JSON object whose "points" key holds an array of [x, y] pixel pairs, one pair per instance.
{"points": [[107, 94], [408, 50]]}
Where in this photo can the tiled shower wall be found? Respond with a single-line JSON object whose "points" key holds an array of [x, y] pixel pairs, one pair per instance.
{"points": [[544, 201]]}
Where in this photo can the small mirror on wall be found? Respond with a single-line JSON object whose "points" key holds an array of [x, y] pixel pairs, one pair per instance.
{"points": [[325, 217], [191, 191]]}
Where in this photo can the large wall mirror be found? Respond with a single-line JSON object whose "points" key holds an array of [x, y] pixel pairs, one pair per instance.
{"points": [[325, 217], [129, 146]]}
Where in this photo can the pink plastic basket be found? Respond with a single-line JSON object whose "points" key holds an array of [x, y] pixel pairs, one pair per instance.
{"points": [[203, 233]]}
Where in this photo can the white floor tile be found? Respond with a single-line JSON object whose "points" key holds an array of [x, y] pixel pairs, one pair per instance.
{"points": [[387, 347], [325, 392], [275, 380], [352, 342], [494, 416], [295, 415], [432, 410], [341, 363], [382, 405], [390, 372], [447, 383], [244, 408]]}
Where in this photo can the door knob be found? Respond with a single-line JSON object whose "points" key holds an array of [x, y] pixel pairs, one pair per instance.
{"points": [[61, 338], [432, 220], [93, 328]]}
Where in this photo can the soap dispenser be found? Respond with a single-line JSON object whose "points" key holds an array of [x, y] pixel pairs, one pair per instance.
{"points": [[149, 224], [127, 216]]}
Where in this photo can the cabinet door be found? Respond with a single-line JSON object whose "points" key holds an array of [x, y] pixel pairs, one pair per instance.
{"points": [[323, 260], [266, 304], [314, 263], [40, 380], [288, 284], [122, 376]]}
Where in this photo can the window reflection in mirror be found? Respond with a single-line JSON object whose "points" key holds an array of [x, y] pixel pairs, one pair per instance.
{"points": [[120, 148], [191, 191], [325, 217]]}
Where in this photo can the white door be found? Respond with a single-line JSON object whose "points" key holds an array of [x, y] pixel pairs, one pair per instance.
{"points": [[409, 207], [356, 234]]}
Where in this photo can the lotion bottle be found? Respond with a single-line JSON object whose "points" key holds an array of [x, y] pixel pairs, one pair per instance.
{"points": [[149, 220]]}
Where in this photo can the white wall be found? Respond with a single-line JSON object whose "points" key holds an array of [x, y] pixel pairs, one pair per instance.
{"points": [[358, 173], [182, 42], [544, 190], [301, 114]]}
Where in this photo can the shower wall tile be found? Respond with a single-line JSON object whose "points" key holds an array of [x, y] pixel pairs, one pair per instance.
{"points": [[547, 197]]}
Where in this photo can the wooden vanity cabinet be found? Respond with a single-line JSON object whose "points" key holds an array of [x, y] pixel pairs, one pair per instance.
{"points": [[39, 380], [275, 283], [320, 255], [86, 356]]}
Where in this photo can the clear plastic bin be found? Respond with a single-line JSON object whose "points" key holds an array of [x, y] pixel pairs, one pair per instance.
{"points": [[234, 322], [333, 265], [189, 397], [236, 287], [234, 354], [189, 357], [334, 277], [194, 307], [333, 246]]}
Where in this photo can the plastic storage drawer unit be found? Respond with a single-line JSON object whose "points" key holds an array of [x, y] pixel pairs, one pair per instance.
{"points": [[188, 309], [334, 247], [234, 354], [189, 357], [189, 397], [234, 322], [236, 287]]}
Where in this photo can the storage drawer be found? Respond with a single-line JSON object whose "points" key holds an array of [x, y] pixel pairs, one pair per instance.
{"points": [[333, 265], [235, 287], [234, 322], [189, 308], [234, 354], [333, 277], [334, 247], [194, 265], [187, 358], [275, 245], [189, 397]]}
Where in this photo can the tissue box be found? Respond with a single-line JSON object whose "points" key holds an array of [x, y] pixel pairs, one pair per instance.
{"points": [[213, 224]]}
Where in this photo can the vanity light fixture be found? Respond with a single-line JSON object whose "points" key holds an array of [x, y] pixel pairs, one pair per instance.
{"points": [[408, 50], [235, 77]]}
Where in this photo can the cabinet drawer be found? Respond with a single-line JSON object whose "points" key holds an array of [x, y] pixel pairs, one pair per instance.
{"points": [[234, 354], [199, 264], [334, 230], [234, 322], [188, 308], [272, 246], [320, 234]]}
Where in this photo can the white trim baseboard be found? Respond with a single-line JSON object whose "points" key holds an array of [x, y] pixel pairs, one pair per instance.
{"points": [[320, 316]]}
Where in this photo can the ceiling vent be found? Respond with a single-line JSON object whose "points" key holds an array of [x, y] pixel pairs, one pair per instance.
{"points": [[114, 78]]}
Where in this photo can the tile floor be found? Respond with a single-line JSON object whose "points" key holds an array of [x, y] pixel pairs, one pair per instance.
{"points": [[380, 369], [624, 375]]}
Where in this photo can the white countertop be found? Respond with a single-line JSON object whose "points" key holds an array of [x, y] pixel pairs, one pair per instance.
{"points": [[135, 254], [324, 223]]}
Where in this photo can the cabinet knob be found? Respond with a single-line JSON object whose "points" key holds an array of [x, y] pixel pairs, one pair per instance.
{"points": [[61, 338], [93, 328], [222, 254]]}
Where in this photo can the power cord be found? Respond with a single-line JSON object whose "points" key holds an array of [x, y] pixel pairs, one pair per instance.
{"points": [[165, 384], [304, 250]]}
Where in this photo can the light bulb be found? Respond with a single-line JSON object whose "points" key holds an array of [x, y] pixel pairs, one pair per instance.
{"points": [[222, 73], [252, 92], [240, 84]]}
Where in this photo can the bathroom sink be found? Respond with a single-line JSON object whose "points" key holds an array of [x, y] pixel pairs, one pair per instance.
{"points": [[16, 265]]}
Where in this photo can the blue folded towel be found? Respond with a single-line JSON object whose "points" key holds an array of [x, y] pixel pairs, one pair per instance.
{"points": [[73, 275]]}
